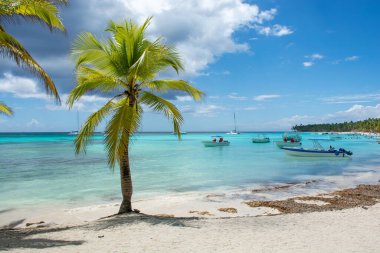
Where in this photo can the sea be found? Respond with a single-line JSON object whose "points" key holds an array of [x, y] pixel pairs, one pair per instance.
{"points": [[38, 169]]}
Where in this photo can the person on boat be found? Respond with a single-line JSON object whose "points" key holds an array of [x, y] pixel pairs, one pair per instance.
{"points": [[291, 140], [221, 139], [285, 140], [214, 140]]}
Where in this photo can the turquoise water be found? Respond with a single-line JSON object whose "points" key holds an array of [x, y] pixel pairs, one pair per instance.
{"points": [[42, 168]]}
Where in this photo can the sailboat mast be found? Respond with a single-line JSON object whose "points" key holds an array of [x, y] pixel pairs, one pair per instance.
{"points": [[235, 122]]}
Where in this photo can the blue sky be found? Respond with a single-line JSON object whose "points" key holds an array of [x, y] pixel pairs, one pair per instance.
{"points": [[275, 63]]}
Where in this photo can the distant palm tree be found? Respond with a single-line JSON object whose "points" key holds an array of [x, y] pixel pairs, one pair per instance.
{"points": [[127, 65], [42, 11], [5, 109]]}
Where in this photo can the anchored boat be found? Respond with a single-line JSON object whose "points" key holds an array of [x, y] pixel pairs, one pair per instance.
{"points": [[260, 139], [290, 139], [217, 141], [235, 131], [317, 151]]}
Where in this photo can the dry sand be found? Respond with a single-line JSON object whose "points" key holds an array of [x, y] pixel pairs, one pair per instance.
{"points": [[350, 230], [343, 221]]}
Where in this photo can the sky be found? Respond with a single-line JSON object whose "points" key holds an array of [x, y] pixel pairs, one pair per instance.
{"points": [[275, 63]]}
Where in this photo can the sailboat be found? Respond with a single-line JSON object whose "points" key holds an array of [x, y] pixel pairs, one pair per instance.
{"points": [[234, 131], [77, 131]]}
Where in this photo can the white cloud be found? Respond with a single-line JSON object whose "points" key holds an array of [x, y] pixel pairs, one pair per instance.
{"points": [[352, 58], [87, 103], [200, 30], [250, 109], [354, 113], [208, 110], [21, 87], [315, 56], [184, 98], [235, 96], [33, 123], [352, 99], [275, 30], [266, 15], [308, 64], [266, 97]]}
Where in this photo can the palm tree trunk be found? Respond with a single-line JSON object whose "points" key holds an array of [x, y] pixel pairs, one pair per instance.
{"points": [[126, 184]]}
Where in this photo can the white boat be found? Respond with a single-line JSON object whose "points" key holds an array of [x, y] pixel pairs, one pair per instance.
{"points": [[234, 131], [317, 151], [73, 133], [216, 142], [282, 144], [289, 139], [260, 139]]}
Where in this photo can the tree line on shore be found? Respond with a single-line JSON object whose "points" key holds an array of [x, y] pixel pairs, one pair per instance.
{"points": [[368, 125]]}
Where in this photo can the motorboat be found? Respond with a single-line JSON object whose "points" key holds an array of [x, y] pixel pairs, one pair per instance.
{"points": [[289, 139], [317, 151], [217, 141], [73, 133], [260, 139], [282, 144], [235, 130]]}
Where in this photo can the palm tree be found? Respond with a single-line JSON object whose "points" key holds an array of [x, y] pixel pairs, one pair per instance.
{"points": [[42, 11], [5, 109], [125, 66]]}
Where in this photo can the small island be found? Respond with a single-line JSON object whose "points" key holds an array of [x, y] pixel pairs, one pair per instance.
{"points": [[371, 125]]}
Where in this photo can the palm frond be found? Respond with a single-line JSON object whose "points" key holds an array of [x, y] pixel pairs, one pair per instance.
{"points": [[43, 11], [89, 80], [159, 104], [178, 85], [10, 47], [4, 109], [88, 128], [120, 128], [127, 63]]}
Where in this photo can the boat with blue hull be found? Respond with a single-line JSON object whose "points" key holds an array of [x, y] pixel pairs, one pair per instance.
{"points": [[317, 151]]}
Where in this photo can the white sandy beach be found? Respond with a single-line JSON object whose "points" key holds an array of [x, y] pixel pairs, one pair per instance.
{"points": [[350, 230]]}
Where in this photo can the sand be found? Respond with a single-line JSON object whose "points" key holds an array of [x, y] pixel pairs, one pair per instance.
{"points": [[342, 221], [350, 230]]}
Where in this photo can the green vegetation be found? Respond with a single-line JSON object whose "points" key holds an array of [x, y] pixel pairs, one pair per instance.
{"points": [[125, 67], [5, 109], [42, 11], [369, 125]]}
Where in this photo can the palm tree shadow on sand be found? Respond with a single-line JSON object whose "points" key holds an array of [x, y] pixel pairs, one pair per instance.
{"points": [[11, 238], [136, 218], [18, 238]]}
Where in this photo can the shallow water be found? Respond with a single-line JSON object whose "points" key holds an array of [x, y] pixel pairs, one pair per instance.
{"points": [[42, 168]]}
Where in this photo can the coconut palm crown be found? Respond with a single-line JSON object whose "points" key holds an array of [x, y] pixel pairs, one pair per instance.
{"points": [[42, 11], [125, 66]]}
